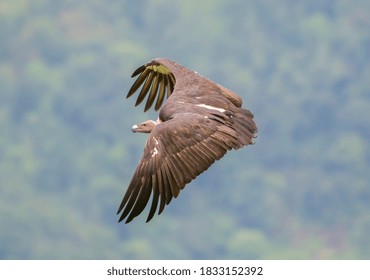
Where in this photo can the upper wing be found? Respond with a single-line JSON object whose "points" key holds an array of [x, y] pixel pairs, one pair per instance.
{"points": [[176, 152], [158, 79]]}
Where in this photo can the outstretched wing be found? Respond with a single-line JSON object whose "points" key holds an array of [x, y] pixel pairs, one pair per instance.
{"points": [[176, 152], [156, 79]]}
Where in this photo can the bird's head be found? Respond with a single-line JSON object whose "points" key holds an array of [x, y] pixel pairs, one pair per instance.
{"points": [[145, 127]]}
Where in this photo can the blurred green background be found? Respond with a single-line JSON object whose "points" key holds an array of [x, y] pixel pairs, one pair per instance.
{"points": [[67, 152]]}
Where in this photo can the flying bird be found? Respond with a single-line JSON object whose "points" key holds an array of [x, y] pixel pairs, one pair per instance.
{"points": [[197, 124]]}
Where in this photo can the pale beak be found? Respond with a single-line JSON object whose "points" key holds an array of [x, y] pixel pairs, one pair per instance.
{"points": [[134, 128]]}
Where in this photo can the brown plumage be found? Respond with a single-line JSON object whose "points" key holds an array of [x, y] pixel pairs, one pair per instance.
{"points": [[200, 121]]}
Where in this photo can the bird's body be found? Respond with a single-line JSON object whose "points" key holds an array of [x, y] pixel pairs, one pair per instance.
{"points": [[200, 121]]}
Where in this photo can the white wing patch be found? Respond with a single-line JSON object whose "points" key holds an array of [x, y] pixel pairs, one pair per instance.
{"points": [[155, 150], [211, 107]]}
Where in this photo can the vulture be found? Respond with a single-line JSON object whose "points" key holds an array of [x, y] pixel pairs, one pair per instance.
{"points": [[199, 121]]}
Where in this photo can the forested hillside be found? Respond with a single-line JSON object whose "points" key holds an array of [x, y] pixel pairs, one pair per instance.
{"points": [[67, 152]]}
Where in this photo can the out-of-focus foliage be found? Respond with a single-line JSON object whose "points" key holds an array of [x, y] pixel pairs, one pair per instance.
{"points": [[67, 152]]}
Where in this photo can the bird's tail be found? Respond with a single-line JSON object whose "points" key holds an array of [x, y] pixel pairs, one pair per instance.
{"points": [[245, 126]]}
